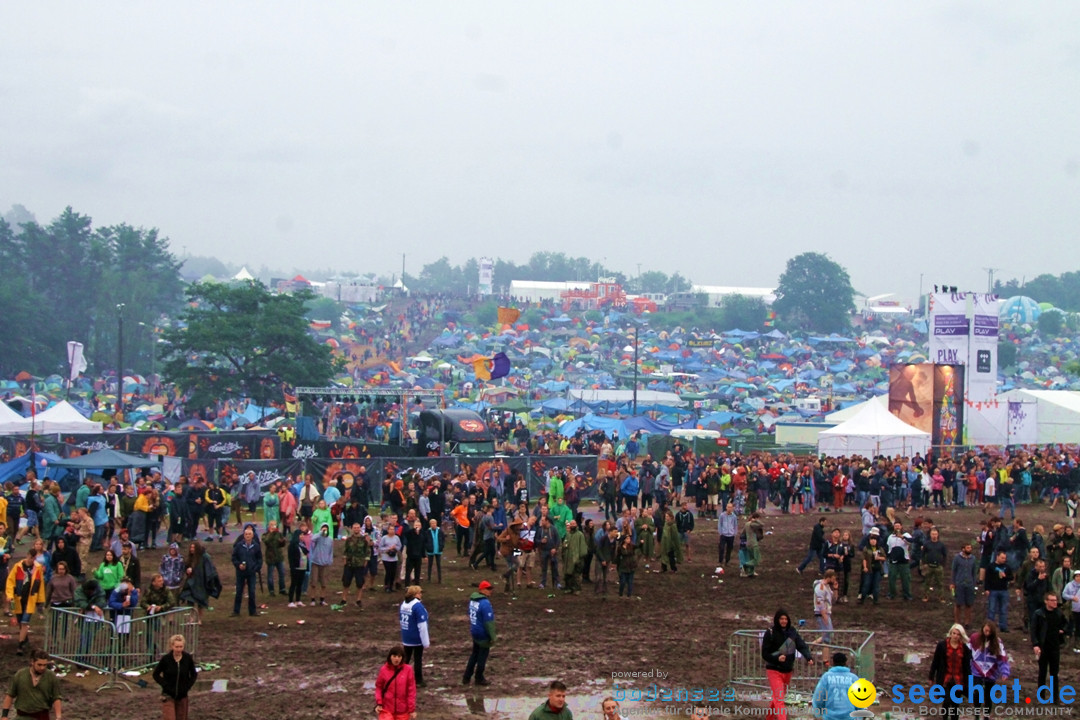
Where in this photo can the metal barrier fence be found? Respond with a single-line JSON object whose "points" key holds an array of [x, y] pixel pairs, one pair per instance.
{"points": [[128, 643], [746, 667]]}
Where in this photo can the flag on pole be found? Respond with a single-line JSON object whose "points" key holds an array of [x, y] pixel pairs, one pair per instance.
{"points": [[76, 359], [497, 366], [508, 316]]}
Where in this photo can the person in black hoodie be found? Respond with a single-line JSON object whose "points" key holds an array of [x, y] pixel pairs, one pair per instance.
{"points": [[297, 552], [175, 673], [778, 649], [413, 539], [817, 545], [437, 499]]}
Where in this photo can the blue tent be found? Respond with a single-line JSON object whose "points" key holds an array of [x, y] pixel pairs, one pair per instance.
{"points": [[43, 463]]}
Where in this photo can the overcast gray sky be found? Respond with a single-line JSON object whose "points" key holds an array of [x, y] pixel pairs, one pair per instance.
{"points": [[715, 138]]}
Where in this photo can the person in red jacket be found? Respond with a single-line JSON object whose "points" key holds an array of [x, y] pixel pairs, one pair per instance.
{"points": [[395, 688]]}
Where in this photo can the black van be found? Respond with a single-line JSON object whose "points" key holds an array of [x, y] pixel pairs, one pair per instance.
{"points": [[452, 432]]}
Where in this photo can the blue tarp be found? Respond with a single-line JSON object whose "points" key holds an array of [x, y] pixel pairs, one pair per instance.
{"points": [[13, 469], [595, 422]]}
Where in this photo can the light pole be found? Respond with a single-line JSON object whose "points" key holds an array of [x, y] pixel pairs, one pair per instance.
{"points": [[120, 357], [635, 366], [153, 346]]}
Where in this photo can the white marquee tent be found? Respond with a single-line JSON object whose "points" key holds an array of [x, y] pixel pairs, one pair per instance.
{"points": [[60, 418], [11, 422], [873, 431]]}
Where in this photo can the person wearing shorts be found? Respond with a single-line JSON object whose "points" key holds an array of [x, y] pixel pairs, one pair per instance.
{"points": [[357, 556]]}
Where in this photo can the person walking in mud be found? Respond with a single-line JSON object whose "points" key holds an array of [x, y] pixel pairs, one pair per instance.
{"points": [[483, 634]]}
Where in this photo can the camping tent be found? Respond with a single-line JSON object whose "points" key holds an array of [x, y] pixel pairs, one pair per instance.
{"points": [[874, 431], [61, 418]]}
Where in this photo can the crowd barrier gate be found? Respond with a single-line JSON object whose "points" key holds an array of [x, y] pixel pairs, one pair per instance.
{"points": [[128, 643], [746, 667]]}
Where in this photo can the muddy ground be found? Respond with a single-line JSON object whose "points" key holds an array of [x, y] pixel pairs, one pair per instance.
{"points": [[679, 625]]}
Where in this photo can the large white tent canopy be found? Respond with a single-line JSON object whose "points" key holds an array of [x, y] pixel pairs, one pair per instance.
{"points": [[60, 418], [11, 422], [873, 431]]}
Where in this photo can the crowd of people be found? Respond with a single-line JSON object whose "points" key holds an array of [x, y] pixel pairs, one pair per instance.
{"points": [[647, 511]]}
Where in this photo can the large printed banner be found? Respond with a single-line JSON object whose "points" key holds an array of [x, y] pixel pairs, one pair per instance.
{"points": [[205, 469], [76, 445], [237, 446], [982, 363], [911, 394], [948, 412], [254, 476], [583, 467], [168, 444], [949, 328]]}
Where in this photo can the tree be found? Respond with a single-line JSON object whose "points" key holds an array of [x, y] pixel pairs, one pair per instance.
{"points": [[743, 312], [324, 308], [241, 340], [1006, 354], [815, 293], [1050, 323]]}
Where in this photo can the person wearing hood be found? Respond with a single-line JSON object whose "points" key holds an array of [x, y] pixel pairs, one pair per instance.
{"points": [[271, 508], [65, 552], [779, 647], [172, 569], [482, 632], [247, 558], [572, 554], [297, 553], [671, 551], [414, 630], [322, 559]]}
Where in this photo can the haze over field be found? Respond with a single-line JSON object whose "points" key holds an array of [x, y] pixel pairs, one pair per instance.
{"points": [[716, 139]]}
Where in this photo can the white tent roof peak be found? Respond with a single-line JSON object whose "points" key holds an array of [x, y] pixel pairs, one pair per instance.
{"points": [[243, 274], [873, 431]]}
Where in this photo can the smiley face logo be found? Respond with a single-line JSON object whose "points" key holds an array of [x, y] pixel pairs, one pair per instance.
{"points": [[862, 693]]}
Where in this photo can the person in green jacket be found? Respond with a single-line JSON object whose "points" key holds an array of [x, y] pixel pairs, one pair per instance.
{"points": [[52, 517], [274, 556], [671, 553], [572, 554], [109, 573], [554, 708], [646, 533], [322, 516], [560, 517], [271, 507], [555, 489]]}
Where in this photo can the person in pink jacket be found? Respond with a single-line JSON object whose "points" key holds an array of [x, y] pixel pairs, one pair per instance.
{"points": [[395, 688], [287, 506]]}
